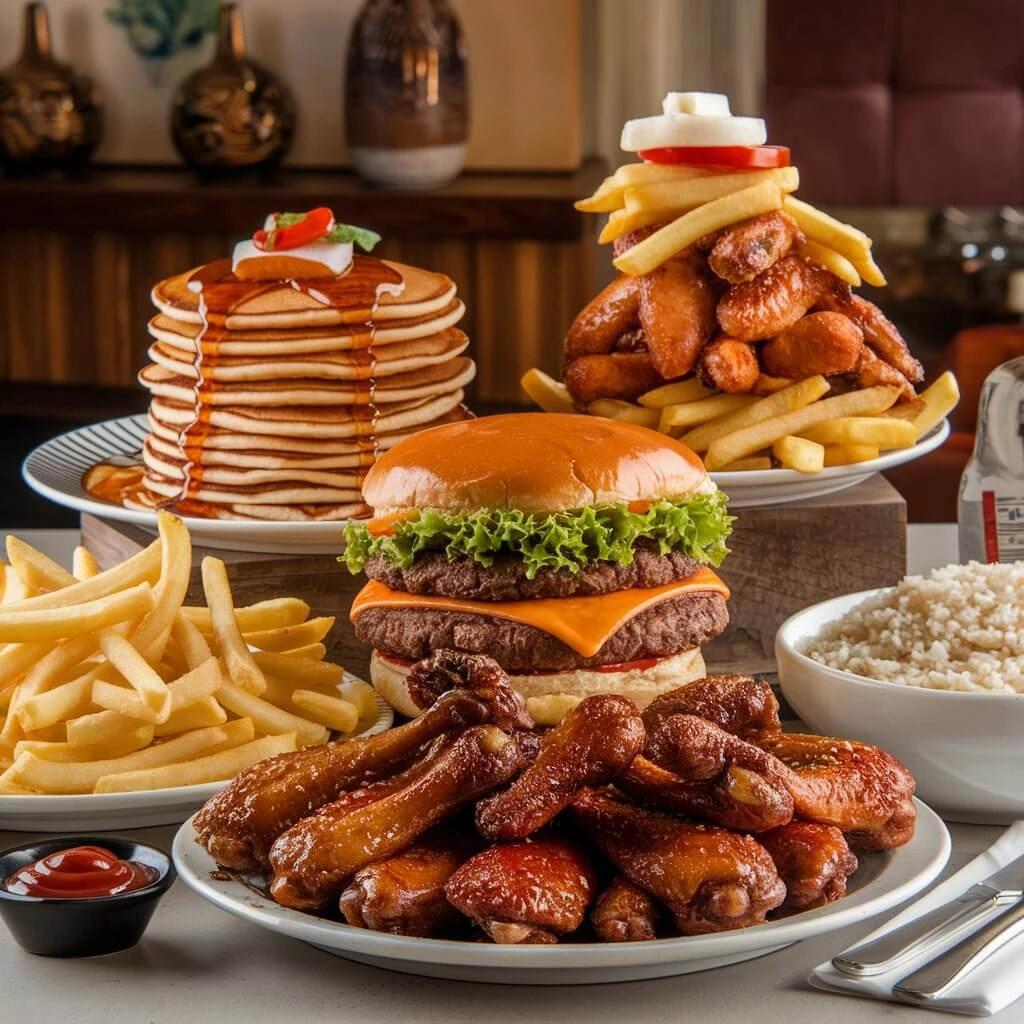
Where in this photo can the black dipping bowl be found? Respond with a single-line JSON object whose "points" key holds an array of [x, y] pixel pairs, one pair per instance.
{"points": [[82, 927]]}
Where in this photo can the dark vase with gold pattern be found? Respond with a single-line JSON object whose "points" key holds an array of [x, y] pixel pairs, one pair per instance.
{"points": [[406, 93], [50, 116], [232, 115]]}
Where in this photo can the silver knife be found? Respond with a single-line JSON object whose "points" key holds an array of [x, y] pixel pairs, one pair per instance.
{"points": [[934, 980], [936, 928]]}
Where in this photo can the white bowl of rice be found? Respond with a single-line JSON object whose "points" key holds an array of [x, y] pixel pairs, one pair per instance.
{"points": [[931, 670]]}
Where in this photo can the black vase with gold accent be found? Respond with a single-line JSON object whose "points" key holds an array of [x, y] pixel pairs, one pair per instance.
{"points": [[232, 115], [50, 116]]}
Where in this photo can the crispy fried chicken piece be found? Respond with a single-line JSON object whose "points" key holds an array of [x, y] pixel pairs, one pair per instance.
{"points": [[677, 312], [404, 894], [618, 375], [825, 343], [593, 743], [773, 301], [631, 238], [879, 332], [625, 913], [239, 824], [744, 706], [314, 858], [711, 879], [447, 669], [728, 365], [870, 370], [526, 892], [813, 860], [600, 324], [862, 790], [747, 796], [744, 250]]}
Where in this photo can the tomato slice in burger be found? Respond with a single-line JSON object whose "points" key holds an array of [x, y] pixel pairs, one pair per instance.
{"points": [[741, 157], [292, 233]]}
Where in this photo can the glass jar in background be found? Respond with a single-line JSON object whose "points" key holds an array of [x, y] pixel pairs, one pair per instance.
{"points": [[991, 509], [406, 94]]}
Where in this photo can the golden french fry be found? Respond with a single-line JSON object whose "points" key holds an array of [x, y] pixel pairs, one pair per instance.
{"points": [[550, 394], [211, 768], [609, 194], [819, 227], [193, 686], [69, 700], [83, 565], [194, 647], [100, 728], [197, 715], [81, 777], [307, 652], [795, 396], [548, 709], [14, 587], [127, 703], [750, 464], [614, 409], [687, 229], [17, 659], [57, 623], [288, 638], [671, 197], [272, 614], [127, 741], [831, 260], [363, 696], [269, 719], [800, 454], [334, 712], [36, 569], [870, 271], [940, 399], [907, 410], [143, 679], [621, 222], [279, 692], [689, 390], [237, 658], [284, 666], [690, 414], [767, 385], [170, 589], [876, 431], [740, 443], [847, 454]]}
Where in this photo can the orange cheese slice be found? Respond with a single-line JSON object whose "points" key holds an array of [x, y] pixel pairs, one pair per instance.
{"points": [[582, 623]]}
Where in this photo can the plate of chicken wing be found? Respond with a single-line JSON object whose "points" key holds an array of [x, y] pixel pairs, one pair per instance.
{"points": [[622, 843]]}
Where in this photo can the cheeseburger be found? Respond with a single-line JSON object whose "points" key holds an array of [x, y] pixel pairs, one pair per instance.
{"points": [[574, 550]]}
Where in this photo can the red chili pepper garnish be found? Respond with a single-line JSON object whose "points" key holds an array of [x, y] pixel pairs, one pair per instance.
{"points": [[314, 225]]}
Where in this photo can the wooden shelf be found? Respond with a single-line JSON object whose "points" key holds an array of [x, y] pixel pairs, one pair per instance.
{"points": [[173, 200]]}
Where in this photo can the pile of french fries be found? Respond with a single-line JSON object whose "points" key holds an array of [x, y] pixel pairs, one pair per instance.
{"points": [[791, 424], [110, 683], [697, 202]]}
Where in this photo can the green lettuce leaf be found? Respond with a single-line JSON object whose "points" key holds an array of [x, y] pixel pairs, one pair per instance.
{"points": [[363, 237], [560, 540]]}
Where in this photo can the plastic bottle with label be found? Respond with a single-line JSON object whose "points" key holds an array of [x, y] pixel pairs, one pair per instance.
{"points": [[991, 510]]}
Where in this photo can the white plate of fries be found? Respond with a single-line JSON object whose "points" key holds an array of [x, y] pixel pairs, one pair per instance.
{"points": [[55, 470], [123, 707]]}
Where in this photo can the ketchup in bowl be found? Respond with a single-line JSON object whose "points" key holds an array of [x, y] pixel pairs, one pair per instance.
{"points": [[81, 872]]}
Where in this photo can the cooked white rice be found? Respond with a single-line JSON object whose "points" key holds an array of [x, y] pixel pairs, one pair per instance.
{"points": [[959, 628]]}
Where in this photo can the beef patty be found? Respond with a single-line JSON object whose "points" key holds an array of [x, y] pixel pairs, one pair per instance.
{"points": [[659, 632], [506, 580]]}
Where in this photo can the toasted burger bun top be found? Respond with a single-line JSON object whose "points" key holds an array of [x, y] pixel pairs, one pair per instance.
{"points": [[535, 462]]}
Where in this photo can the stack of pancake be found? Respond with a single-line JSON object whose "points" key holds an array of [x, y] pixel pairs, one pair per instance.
{"points": [[271, 399]]}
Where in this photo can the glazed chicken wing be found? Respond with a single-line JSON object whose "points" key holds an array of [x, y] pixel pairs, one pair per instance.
{"points": [[813, 860], [741, 705], [728, 365], [711, 879], [871, 370], [608, 316], [404, 894], [239, 824], [314, 858], [625, 913], [859, 789], [825, 343], [742, 251], [622, 375], [594, 742], [524, 892]]}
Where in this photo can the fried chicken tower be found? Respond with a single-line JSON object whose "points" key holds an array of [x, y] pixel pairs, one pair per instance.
{"points": [[277, 378]]}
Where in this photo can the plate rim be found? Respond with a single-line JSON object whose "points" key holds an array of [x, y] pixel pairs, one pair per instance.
{"points": [[932, 852]]}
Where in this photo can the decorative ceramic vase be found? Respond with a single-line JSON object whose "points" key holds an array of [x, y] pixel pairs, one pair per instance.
{"points": [[406, 96], [50, 117], [232, 115]]}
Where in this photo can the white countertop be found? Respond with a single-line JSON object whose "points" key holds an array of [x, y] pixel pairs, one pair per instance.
{"points": [[197, 964]]}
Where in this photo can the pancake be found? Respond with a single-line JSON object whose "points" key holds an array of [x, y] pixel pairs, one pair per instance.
{"points": [[270, 400]]}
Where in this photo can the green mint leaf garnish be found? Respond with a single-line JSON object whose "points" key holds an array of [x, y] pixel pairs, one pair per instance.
{"points": [[363, 237]]}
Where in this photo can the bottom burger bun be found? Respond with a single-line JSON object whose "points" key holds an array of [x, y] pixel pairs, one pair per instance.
{"points": [[549, 695]]}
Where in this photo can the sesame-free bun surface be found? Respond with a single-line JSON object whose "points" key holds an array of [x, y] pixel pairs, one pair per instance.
{"points": [[535, 462]]}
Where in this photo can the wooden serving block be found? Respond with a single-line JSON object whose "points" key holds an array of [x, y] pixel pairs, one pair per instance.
{"points": [[784, 558]]}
